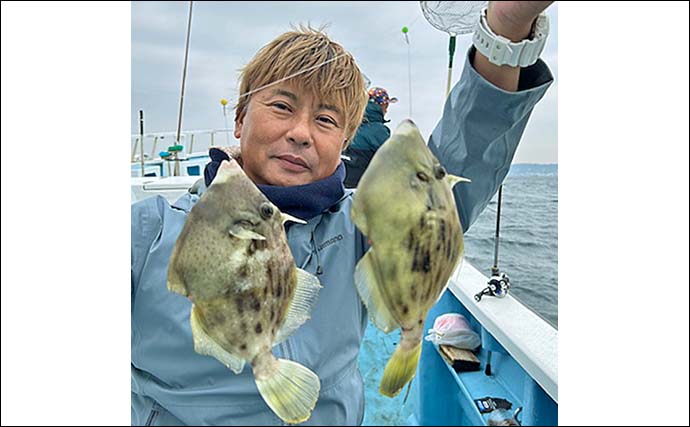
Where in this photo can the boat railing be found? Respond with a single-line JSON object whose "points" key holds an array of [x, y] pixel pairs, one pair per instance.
{"points": [[530, 339], [188, 139]]}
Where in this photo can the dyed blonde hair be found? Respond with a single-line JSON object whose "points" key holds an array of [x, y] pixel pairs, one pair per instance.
{"points": [[332, 76]]}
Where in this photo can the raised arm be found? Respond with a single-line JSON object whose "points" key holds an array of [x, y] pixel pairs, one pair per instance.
{"points": [[486, 114], [512, 20]]}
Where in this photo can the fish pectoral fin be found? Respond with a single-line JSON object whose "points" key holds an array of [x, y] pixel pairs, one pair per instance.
{"points": [[454, 179], [205, 345], [243, 233], [369, 288], [301, 306], [288, 217]]}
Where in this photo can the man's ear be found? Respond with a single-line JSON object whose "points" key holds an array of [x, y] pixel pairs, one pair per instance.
{"points": [[238, 126]]}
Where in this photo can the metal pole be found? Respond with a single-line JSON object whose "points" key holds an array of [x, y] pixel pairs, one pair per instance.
{"points": [[134, 150], [141, 136], [153, 149], [184, 76], [494, 269], [451, 53]]}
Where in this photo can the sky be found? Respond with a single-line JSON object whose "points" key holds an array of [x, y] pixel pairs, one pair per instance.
{"points": [[226, 35]]}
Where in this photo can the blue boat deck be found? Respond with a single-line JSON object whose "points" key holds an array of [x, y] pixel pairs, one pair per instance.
{"points": [[441, 396]]}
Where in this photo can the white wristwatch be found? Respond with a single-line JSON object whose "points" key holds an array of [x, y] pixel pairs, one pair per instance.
{"points": [[501, 51]]}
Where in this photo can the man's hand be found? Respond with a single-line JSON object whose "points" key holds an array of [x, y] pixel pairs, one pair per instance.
{"points": [[512, 20]]}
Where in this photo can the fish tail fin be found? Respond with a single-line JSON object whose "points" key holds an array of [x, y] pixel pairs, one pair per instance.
{"points": [[291, 390], [400, 369]]}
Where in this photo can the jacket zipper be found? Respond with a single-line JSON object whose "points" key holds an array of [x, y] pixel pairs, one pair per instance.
{"points": [[152, 417]]}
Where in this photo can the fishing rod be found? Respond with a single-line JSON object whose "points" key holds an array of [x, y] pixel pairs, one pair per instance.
{"points": [[499, 283]]}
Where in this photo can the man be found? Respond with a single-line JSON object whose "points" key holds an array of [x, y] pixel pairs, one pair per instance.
{"points": [[372, 133], [292, 132]]}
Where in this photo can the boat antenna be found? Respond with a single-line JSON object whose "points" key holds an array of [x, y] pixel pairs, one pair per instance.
{"points": [[499, 283], [184, 77]]}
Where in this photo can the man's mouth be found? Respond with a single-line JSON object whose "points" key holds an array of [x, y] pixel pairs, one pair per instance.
{"points": [[293, 163]]}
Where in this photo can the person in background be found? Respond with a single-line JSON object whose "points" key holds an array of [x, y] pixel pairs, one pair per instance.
{"points": [[372, 133]]}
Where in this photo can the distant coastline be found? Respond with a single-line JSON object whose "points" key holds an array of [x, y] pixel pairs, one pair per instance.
{"points": [[533, 169]]}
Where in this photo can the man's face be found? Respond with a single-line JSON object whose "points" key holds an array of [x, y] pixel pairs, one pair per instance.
{"points": [[288, 137]]}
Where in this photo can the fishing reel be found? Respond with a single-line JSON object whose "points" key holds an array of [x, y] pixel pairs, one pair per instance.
{"points": [[498, 286]]}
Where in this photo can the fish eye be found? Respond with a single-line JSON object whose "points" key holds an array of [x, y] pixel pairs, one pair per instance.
{"points": [[244, 223], [439, 171], [422, 176], [266, 210]]}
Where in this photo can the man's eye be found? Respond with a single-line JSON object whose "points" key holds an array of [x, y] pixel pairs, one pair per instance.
{"points": [[327, 120], [281, 106]]}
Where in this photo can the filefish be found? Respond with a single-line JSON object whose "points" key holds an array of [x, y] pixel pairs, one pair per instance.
{"points": [[232, 260], [404, 205]]}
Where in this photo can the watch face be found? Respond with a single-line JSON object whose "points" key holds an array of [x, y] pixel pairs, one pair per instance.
{"points": [[541, 26]]}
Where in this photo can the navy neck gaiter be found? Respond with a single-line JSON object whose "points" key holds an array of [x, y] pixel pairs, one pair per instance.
{"points": [[302, 201]]}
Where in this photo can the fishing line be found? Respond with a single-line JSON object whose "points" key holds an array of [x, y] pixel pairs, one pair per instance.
{"points": [[409, 68], [291, 76], [368, 81], [224, 103]]}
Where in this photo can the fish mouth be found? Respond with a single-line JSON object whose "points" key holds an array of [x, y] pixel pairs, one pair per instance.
{"points": [[293, 162]]}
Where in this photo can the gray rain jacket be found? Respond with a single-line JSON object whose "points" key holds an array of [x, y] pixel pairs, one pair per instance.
{"points": [[172, 385]]}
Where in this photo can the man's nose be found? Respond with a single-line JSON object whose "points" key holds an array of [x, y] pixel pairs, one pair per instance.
{"points": [[301, 131]]}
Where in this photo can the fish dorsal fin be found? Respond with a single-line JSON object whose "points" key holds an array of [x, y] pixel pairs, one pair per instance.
{"points": [[369, 290], [288, 217], [205, 345], [454, 179], [302, 304], [242, 233]]}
